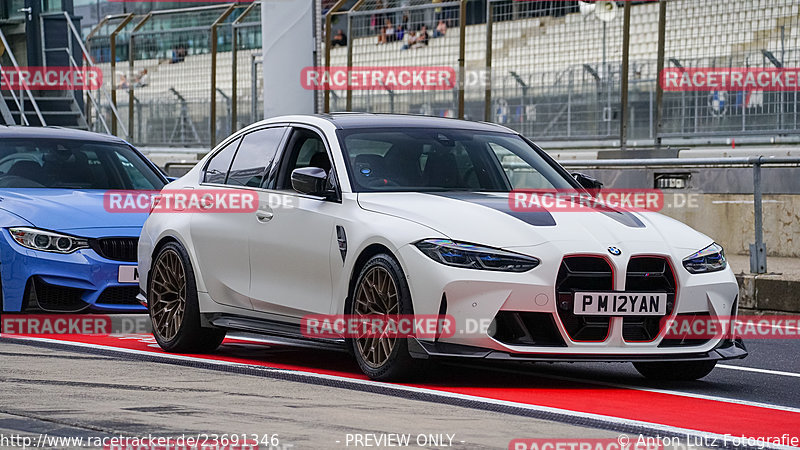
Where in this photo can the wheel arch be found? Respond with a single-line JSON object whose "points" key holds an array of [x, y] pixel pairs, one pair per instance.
{"points": [[368, 252], [165, 239]]}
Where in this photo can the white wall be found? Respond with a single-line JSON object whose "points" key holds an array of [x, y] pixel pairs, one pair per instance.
{"points": [[288, 46]]}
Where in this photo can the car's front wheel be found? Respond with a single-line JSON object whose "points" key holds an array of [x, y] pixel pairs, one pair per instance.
{"points": [[675, 371], [173, 306], [381, 289]]}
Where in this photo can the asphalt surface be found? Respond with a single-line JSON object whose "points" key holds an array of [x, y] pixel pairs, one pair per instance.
{"points": [[77, 392], [53, 392], [776, 381]]}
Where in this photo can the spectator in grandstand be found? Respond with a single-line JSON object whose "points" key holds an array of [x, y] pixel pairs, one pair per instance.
{"points": [[422, 36], [403, 28], [410, 40], [178, 54], [123, 82], [441, 29], [388, 33], [339, 39], [142, 79]]}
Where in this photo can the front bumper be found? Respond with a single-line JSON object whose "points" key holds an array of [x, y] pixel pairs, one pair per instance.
{"points": [[79, 281], [475, 296]]}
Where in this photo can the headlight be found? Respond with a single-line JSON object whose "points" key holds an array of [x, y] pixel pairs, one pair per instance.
{"points": [[709, 259], [469, 256], [47, 241]]}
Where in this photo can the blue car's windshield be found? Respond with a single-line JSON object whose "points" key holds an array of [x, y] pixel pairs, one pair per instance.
{"points": [[428, 159], [73, 164]]}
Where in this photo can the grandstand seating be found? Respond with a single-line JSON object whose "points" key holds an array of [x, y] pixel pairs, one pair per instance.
{"points": [[731, 32]]}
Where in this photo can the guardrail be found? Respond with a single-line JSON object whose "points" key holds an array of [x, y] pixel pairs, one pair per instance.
{"points": [[758, 250]]}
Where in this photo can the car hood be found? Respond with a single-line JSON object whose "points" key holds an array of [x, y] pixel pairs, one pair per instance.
{"points": [[487, 219], [79, 212]]}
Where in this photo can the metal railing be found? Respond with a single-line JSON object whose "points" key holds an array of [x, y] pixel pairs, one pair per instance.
{"points": [[186, 51], [23, 88], [91, 100], [758, 250], [556, 71]]}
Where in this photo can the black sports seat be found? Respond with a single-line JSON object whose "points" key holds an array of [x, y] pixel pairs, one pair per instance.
{"points": [[441, 170], [27, 169], [321, 160]]}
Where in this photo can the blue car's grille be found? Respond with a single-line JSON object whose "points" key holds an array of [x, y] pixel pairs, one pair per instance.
{"points": [[54, 298], [117, 249]]}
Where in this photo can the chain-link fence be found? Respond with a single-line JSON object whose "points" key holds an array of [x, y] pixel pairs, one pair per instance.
{"points": [[177, 68], [553, 70], [403, 38], [753, 34]]}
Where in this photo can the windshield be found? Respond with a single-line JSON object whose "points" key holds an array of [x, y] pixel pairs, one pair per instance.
{"points": [[427, 159], [73, 164]]}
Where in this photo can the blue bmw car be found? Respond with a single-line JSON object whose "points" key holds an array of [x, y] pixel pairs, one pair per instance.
{"points": [[61, 250]]}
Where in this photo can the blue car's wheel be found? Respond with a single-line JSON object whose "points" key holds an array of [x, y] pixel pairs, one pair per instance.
{"points": [[172, 302]]}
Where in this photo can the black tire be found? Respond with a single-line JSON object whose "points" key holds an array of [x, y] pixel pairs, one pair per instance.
{"points": [[190, 336], [675, 371], [399, 364]]}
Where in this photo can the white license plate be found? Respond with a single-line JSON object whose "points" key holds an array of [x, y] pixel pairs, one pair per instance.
{"points": [[620, 304], [128, 274]]}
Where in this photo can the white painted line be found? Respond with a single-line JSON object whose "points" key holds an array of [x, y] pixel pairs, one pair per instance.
{"points": [[432, 392], [658, 391], [765, 371]]}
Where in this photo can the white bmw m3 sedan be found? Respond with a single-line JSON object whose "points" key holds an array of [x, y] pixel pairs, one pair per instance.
{"points": [[365, 215]]}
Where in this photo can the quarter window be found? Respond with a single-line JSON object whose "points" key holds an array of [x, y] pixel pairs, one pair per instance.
{"points": [[217, 168]]}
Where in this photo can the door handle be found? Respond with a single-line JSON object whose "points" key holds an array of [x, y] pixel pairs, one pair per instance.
{"points": [[264, 216]]}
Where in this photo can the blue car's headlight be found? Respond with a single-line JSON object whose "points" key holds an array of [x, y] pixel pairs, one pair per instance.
{"points": [[47, 241], [709, 259], [469, 256]]}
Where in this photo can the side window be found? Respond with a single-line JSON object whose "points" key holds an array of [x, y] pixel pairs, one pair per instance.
{"points": [[306, 149], [217, 168], [255, 155]]}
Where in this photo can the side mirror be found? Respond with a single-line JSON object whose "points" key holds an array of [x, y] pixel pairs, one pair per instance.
{"points": [[311, 181], [587, 182]]}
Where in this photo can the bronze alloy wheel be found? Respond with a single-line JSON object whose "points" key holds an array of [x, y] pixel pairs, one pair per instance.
{"points": [[167, 294], [376, 295]]}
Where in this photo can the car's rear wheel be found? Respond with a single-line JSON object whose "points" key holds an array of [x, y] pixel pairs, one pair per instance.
{"points": [[381, 289], [675, 371], [172, 302]]}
